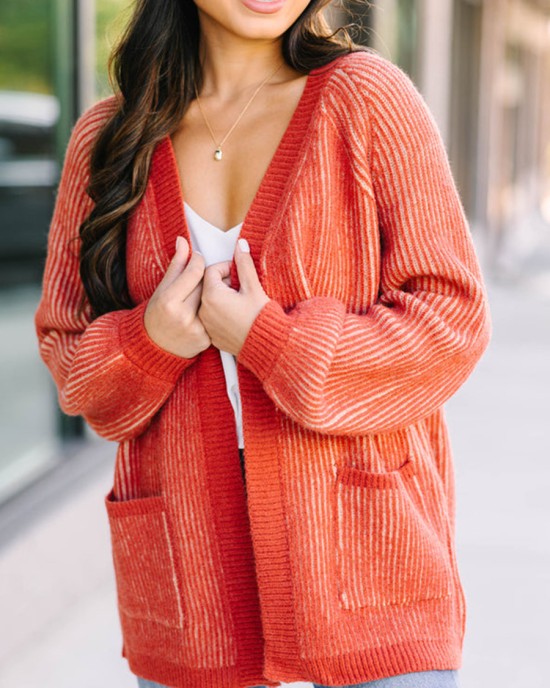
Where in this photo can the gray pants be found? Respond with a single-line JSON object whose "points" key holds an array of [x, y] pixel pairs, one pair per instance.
{"points": [[447, 678]]}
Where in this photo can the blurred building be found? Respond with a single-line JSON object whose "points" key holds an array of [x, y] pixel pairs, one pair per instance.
{"points": [[49, 73], [484, 68]]}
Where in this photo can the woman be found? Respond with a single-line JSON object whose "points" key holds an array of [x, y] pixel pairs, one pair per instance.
{"points": [[327, 350]]}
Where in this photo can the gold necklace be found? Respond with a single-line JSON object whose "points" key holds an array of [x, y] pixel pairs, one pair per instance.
{"points": [[218, 151]]}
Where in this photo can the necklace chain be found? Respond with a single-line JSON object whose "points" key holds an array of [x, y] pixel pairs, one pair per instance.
{"points": [[218, 152]]}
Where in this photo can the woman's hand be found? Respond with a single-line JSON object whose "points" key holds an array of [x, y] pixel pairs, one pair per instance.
{"points": [[171, 315], [227, 314]]}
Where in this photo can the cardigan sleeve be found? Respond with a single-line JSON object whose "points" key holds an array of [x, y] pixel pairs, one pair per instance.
{"points": [[341, 372], [107, 370]]}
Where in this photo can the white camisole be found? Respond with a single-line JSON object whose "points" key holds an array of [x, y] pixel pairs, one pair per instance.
{"points": [[215, 246]]}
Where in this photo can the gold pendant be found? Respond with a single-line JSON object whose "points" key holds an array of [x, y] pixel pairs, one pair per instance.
{"points": [[218, 154]]}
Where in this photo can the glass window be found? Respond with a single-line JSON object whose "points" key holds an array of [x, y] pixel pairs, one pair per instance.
{"points": [[40, 78], [29, 112]]}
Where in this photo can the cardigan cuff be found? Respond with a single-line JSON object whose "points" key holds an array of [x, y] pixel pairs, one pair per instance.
{"points": [[265, 340], [146, 354]]}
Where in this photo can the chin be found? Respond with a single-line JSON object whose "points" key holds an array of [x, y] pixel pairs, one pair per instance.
{"points": [[252, 21]]}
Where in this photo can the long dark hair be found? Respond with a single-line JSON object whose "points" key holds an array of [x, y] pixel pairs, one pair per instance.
{"points": [[154, 64]]}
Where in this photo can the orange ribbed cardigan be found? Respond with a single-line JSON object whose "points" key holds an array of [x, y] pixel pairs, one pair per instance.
{"points": [[338, 565]]}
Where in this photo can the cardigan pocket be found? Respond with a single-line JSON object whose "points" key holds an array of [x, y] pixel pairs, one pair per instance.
{"points": [[388, 549], [145, 560]]}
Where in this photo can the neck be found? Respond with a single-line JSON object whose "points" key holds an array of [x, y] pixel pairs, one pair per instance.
{"points": [[232, 67]]}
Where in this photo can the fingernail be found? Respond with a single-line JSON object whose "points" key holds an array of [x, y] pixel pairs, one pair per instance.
{"points": [[243, 245], [178, 242]]}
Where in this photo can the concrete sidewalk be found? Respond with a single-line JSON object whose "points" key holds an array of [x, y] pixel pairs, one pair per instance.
{"points": [[60, 627]]}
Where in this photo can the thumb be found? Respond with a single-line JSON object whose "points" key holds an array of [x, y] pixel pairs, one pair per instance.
{"points": [[246, 270]]}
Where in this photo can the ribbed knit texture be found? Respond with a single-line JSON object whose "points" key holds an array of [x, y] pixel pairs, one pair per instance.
{"points": [[339, 565]]}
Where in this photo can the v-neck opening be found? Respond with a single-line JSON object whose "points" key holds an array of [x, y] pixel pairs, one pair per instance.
{"points": [[262, 212], [209, 224]]}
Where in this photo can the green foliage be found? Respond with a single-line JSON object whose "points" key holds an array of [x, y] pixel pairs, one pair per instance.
{"points": [[27, 42], [111, 18], [26, 46]]}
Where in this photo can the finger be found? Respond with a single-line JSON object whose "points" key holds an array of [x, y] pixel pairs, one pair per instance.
{"points": [[216, 272], [246, 270], [177, 263], [194, 298], [184, 283]]}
